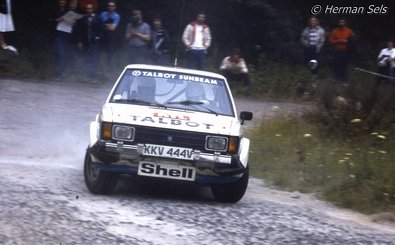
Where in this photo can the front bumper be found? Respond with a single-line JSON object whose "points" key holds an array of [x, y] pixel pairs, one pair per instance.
{"points": [[124, 158]]}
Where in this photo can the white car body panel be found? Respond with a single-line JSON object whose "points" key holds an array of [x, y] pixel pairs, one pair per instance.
{"points": [[171, 119]]}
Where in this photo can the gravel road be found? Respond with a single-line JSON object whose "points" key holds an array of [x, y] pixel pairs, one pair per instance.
{"points": [[43, 198]]}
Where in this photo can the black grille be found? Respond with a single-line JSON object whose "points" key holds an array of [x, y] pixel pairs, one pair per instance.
{"points": [[170, 137]]}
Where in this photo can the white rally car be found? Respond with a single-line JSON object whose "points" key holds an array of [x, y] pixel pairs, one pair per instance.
{"points": [[172, 123]]}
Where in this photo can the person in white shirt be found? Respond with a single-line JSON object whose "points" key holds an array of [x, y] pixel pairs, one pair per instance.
{"points": [[197, 39], [64, 59], [313, 38], [386, 61], [6, 24], [234, 68]]}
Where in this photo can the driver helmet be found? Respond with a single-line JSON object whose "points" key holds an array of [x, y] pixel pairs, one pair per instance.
{"points": [[146, 88], [195, 91]]}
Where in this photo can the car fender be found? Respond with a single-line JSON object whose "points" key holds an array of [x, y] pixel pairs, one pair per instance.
{"points": [[244, 150], [94, 128]]}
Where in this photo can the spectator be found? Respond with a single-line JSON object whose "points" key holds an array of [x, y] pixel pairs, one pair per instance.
{"points": [[63, 37], [386, 61], [109, 22], [82, 4], [138, 34], [197, 39], [6, 24], [234, 68], [61, 9], [341, 38], [313, 38], [87, 30], [160, 43]]}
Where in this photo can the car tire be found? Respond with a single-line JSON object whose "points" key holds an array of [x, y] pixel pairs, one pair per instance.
{"points": [[233, 192], [98, 181]]}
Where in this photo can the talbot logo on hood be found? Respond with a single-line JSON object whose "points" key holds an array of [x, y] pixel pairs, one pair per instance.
{"points": [[169, 121], [169, 138]]}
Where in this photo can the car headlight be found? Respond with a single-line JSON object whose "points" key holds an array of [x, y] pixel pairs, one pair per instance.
{"points": [[215, 143], [123, 132]]}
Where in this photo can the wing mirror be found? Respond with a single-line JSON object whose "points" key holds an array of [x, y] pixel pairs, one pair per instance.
{"points": [[245, 116]]}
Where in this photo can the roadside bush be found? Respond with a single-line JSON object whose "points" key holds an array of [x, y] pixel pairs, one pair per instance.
{"points": [[358, 108], [275, 80]]}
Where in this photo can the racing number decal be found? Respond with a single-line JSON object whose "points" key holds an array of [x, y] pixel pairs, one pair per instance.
{"points": [[179, 153]]}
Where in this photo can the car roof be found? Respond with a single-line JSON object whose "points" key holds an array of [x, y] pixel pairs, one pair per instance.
{"points": [[175, 69]]}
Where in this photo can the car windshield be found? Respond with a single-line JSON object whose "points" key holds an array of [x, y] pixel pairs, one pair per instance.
{"points": [[173, 90]]}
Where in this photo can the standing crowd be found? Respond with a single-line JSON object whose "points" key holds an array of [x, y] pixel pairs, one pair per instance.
{"points": [[342, 40], [95, 35], [149, 44]]}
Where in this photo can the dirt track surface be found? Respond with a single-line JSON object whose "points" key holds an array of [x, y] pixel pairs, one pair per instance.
{"points": [[43, 199]]}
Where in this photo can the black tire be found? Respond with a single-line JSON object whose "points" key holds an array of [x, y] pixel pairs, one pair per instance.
{"points": [[98, 181], [231, 192]]}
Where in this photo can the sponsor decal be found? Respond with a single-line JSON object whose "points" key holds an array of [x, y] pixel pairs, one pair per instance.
{"points": [[166, 171], [170, 121], [136, 73], [198, 79], [158, 74], [184, 77], [177, 117]]}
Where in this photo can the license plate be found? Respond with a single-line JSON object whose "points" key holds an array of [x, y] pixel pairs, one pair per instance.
{"points": [[168, 151], [168, 171]]}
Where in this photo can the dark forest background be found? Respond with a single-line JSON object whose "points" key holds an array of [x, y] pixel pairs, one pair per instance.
{"points": [[259, 27]]}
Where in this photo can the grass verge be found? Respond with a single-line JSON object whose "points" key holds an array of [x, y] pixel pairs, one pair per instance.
{"points": [[356, 172]]}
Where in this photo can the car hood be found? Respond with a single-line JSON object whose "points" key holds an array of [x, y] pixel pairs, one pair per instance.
{"points": [[171, 119]]}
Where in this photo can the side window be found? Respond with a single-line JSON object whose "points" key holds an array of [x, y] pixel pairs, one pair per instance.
{"points": [[222, 100]]}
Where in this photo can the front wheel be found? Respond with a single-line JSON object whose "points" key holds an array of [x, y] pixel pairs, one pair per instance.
{"points": [[231, 192], [98, 181]]}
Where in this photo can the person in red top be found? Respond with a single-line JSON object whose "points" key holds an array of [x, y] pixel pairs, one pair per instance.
{"points": [[234, 68], [342, 39]]}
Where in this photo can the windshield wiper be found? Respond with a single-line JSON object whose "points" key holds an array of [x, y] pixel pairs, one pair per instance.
{"points": [[210, 110], [186, 102], [192, 103], [139, 101]]}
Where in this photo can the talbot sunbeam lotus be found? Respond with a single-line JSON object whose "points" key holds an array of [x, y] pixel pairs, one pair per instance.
{"points": [[172, 123]]}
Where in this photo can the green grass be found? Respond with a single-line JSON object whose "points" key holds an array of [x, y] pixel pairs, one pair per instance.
{"points": [[356, 173]]}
